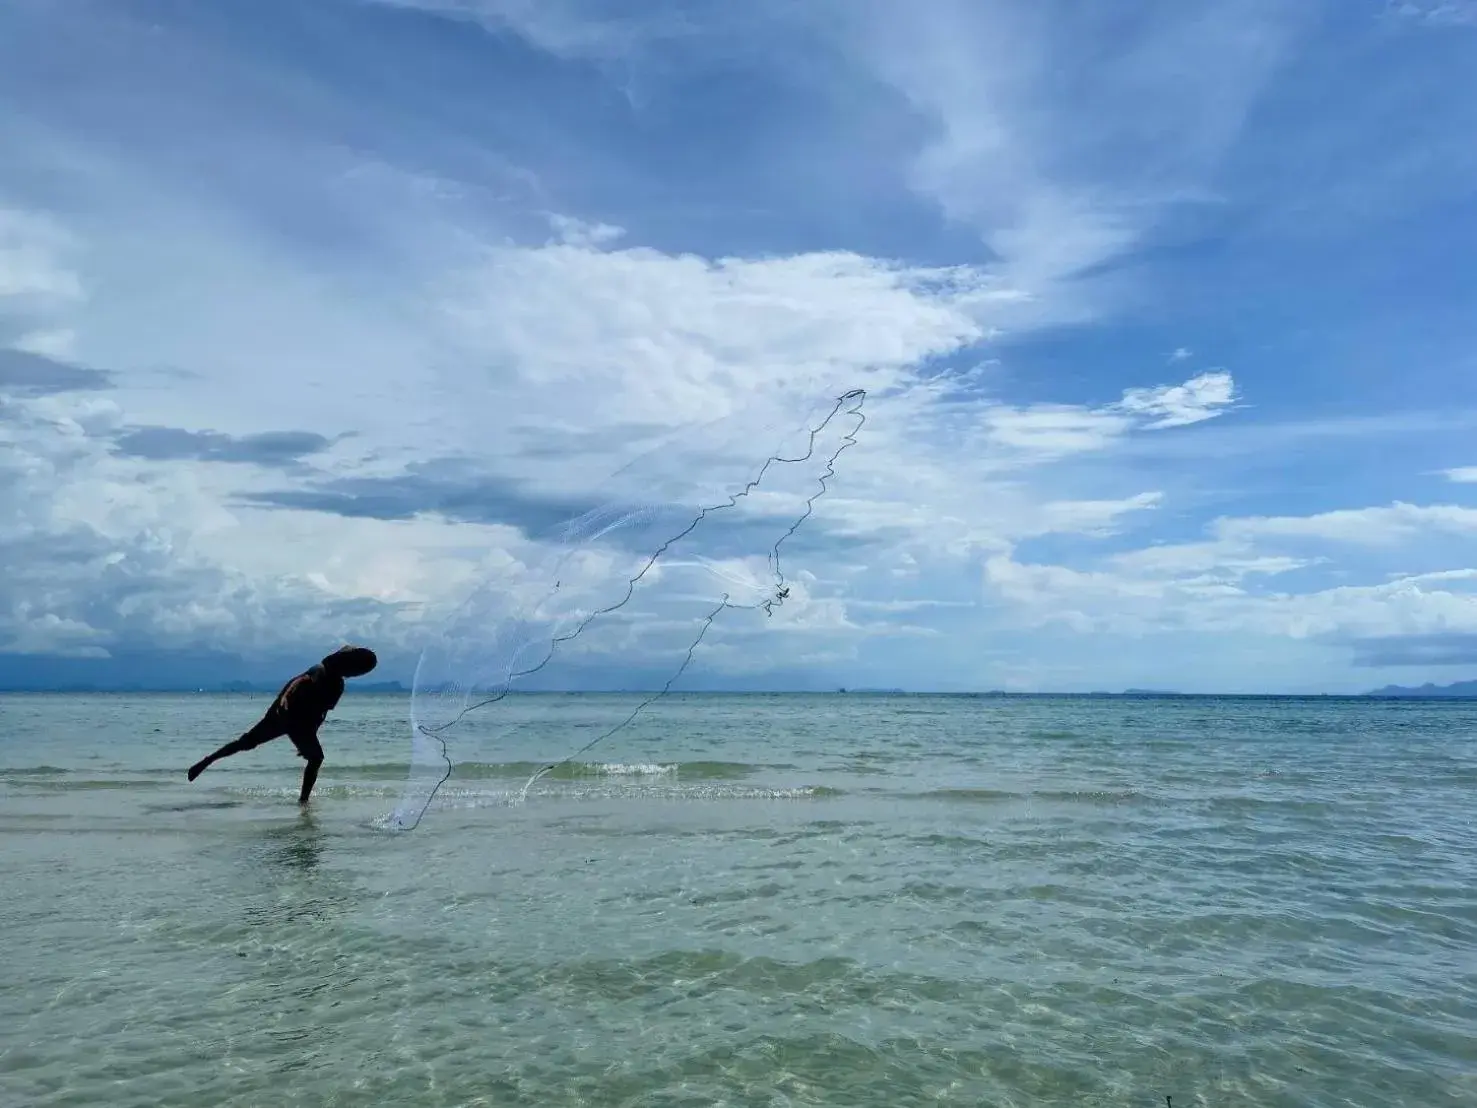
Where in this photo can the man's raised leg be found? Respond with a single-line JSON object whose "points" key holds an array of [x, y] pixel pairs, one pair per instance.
{"points": [[265, 731]]}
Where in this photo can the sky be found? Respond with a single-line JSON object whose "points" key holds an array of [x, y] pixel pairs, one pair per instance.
{"points": [[317, 317]]}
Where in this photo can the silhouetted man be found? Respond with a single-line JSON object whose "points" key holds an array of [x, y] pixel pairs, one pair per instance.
{"points": [[299, 710]]}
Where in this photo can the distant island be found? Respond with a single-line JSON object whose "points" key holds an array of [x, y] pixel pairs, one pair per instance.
{"points": [[1456, 691]]}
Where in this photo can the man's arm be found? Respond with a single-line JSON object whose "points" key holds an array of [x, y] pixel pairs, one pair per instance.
{"points": [[304, 702]]}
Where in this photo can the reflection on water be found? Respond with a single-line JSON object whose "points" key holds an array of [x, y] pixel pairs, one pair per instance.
{"points": [[298, 845], [302, 886], [296, 911]]}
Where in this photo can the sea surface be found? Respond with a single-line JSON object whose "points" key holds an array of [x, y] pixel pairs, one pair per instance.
{"points": [[848, 900]]}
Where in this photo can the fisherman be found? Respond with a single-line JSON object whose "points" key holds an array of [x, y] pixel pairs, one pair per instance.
{"points": [[299, 710]]}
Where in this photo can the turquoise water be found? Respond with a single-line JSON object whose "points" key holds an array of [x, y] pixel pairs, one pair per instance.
{"points": [[791, 900]]}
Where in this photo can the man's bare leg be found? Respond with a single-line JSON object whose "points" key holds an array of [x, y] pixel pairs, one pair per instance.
{"points": [[235, 746], [265, 731], [310, 775]]}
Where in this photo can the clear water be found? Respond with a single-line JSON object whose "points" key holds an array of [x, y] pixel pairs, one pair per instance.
{"points": [[830, 900]]}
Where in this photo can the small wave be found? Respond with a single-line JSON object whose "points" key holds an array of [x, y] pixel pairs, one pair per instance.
{"points": [[1233, 804], [33, 771], [700, 770], [612, 769], [452, 799], [973, 794], [953, 841], [570, 791], [59, 783], [694, 771], [340, 791], [1088, 796]]}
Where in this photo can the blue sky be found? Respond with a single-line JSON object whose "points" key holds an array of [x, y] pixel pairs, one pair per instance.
{"points": [[314, 315]]}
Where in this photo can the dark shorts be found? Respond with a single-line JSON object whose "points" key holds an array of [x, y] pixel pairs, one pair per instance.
{"points": [[274, 725]]}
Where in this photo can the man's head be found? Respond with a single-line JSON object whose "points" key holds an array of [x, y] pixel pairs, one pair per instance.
{"points": [[351, 661]]}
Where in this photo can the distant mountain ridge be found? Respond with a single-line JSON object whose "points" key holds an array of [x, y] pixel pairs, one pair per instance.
{"points": [[268, 686], [1457, 690], [1460, 690]]}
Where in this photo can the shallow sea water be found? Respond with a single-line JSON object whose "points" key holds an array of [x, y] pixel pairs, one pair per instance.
{"points": [[787, 900]]}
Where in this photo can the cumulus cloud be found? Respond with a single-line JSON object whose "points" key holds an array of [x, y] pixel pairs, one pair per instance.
{"points": [[595, 344], [672, 339], [610, 349], [96, 561]]}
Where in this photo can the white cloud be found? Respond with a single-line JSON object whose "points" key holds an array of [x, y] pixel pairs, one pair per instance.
{"points": [[1059, 178], [1436, 13], [1093, 517], [1223, 560], [636, 334], [561, 27], [578, 232], [1462, 475], [1201, 398], [1225, 585], [1402, 607], [383, 300], [1064, 175], [32, 269], [97, 556], [1055, 429], [1139, 603], [587, 341], [1384, 526], [58, 343], [1059, 430]]}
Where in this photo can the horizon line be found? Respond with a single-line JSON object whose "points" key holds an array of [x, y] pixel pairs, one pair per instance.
{"points": [[248, 689]]}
